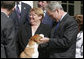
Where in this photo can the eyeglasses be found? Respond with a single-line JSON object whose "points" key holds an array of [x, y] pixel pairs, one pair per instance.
{"points": [[33, 15]]}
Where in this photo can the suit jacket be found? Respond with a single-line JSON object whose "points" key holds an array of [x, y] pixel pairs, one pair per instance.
{"points": [[25, 33], [25, 9], [48, 20], [8, 43], [62, 43]]}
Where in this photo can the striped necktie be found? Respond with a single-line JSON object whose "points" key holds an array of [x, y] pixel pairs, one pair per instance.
{"points": [[18, 10]]}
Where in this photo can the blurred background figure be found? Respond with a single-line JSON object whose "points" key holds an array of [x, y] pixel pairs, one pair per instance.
{"points": [[46, 19], [20, 14], [79, 42], [8, 37]]}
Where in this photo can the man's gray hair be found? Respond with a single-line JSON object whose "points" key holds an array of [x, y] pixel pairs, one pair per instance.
{"points": [[53, 5]]}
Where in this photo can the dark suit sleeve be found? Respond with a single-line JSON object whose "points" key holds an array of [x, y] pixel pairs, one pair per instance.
{"points": [[10, 45], [68, 37]]}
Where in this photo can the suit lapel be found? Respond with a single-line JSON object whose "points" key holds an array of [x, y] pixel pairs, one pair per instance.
{"points": [[61, 24], [63, 21], [39, 29], [52, 32], [28, 31], [23, 9]]}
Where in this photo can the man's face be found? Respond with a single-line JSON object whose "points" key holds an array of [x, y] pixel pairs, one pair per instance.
{"points": [[54, 14], [51, 14], [42, 4]]}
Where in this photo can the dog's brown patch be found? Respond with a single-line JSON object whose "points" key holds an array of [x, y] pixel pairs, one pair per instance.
{"points": [[28, 51]]}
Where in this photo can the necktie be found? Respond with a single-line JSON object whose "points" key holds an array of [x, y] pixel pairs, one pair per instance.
{"points": [[57, 26], [18, 11]]}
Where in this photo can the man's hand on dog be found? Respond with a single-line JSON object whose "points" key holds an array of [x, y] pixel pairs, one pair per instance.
{"points": [[44, 40]]}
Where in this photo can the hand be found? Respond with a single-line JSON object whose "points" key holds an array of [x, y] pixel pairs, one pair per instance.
{"points": [[44, 40]]}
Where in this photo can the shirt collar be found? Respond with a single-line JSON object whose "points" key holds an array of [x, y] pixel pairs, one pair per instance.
{"points": [[18, 3], [63, 16], [44, 12], [5, 14]]}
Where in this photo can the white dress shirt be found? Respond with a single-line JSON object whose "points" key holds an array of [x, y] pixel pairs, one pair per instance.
{"points": [[63, 16], [19, 5], [44, 12], [79, 45]]}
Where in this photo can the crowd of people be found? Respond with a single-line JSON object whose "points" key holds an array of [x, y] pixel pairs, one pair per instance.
{"points": [[63, 34]]}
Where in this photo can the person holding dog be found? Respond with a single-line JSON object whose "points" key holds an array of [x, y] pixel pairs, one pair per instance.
{"points": [[35, 27]]}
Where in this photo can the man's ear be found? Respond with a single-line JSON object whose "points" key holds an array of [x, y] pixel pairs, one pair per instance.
{"points": [[57, 10], [13, 9]]}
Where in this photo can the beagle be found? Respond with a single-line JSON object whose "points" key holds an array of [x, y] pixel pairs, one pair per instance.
{"points": [[31, 50]]}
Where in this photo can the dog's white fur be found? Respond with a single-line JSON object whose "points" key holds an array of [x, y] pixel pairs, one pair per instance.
{"points": [[35, 47], [36, 53]]}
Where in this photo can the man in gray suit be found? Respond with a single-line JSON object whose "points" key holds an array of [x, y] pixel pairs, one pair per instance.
{"points": [[8, 45], [62, 43]]}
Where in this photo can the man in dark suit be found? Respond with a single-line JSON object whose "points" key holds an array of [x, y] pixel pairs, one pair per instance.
{"points": [[8, 44], [20, 14], [46, 20], [62, 43]]}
